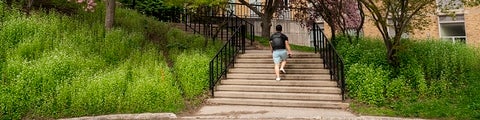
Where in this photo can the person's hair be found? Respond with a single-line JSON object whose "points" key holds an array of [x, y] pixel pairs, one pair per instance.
{"points": [[278, 28]]}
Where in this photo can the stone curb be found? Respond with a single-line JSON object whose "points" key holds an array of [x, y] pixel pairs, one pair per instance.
{"points": [[127, 116], [296, 118]]}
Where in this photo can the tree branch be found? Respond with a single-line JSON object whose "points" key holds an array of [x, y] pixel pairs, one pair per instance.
{"points": [[254, 9]]}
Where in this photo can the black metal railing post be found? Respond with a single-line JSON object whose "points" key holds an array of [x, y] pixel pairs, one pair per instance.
{"points": [[252, 34], [243, 30], [315, 44], [331, 59], [201, 21], [210, 68]]}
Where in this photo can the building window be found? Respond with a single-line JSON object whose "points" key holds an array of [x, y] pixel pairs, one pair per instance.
{"points": [[256, 4], [446, 6], [285, 12], [452, 28], [391, 29], [231, 6]]}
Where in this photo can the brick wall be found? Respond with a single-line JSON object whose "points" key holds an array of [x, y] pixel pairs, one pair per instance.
{"points": [[472, 26]]}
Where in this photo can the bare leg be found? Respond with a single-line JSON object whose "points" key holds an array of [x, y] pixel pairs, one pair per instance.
{"points": [[277, 70], [283, 64]]}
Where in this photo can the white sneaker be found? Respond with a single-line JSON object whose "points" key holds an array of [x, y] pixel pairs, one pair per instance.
{"points": [[278, 79], [283, 71]]}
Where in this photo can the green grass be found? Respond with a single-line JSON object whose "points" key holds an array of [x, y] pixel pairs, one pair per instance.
{"points": [[56, 66], [435, 79], [265, 42]]}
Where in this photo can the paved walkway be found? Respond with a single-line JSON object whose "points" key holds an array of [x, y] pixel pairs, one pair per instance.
{"points": [[277, 113], [222, 112]]}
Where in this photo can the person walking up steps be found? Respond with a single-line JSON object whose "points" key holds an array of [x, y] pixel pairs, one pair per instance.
{"points": [[279, 46]]}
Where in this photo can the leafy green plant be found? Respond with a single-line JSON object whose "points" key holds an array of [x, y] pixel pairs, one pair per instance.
{"points": [[435, 79], [193, 73], [367, 83], [156, 8], [56, 66]]}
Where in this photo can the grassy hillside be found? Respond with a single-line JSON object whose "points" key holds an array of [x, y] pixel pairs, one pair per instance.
{"points": [[56, 66], [435, 79]]}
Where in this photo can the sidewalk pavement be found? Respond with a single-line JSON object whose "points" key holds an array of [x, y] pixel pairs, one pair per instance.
{"points": [[238, 112], [278, 113]]}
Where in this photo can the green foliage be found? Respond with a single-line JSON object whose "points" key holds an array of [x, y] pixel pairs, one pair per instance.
{"points": [[193, 73], [191, 61], [142, 83], [156, 8], [53, 66], [434, 80], [397, 90], [442, 60], [194, 3], [364, 51], [367, 83]]}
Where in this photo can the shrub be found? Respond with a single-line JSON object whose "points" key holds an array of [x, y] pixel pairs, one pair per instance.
{"points": [[365, 51], [397, 90], [156, 8], [141, 84], [192, 69], [434, 79], [116, 46], [367, 83], [191, 61], [54, 66], [442, 60]]}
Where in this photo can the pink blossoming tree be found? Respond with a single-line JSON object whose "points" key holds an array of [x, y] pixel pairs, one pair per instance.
{"points": [[343, 16], [110, 10]]}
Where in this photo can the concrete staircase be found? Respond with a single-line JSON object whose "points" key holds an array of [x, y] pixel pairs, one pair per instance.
{"points": [[252, 82]]}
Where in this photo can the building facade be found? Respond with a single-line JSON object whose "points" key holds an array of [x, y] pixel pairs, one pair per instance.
{"points": [[297, 34], [463, 28]]}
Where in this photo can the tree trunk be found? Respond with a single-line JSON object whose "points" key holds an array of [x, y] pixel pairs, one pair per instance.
{"points": [[9, 3], [392, 52], [392, 57], [362, 21], [333, 30], [110, 14], [266, 25], [28, 7]]}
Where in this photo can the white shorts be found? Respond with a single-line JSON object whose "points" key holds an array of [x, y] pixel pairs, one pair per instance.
{"points": [[279, 55]]}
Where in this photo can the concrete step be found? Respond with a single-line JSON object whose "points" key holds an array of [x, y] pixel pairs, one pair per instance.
{"points": [[214, 31], [271, 71], [279, 103], [283, 89], [273, 82], [268, 51], [288, 66], [283, 76], [190, 31], [278, 96], [192, 24], [269, 55], [291, 60]]}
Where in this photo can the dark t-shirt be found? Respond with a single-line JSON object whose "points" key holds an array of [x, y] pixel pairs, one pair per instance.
{"points": [[278, 40]]}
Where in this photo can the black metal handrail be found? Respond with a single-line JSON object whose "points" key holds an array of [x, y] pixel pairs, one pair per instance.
{"points": [[211, 21], [283, 13], [331, 59], [225, 57]]}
